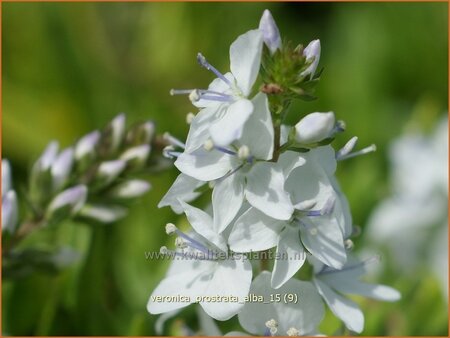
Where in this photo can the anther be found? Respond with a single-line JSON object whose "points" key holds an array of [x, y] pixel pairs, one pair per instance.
{"points": [[348, 243], [293, 332], [190, 117], [363, 151], [243, 152], [180, 243], [208, 145], [348, 147], [170, 228], [194, 95]]}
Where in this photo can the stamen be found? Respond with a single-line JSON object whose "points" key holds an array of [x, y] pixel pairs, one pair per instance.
{"points": [[189, 255], [171, 229], [272, 325], [348, 147], [173, 140], [190, 117], [204, 63], [225, 150], [169, 152], [243, 152], [293, 332], [194, 95], [364, 151], [326, 210]]}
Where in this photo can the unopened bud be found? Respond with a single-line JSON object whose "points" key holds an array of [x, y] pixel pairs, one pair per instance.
{"points": [[41, 181], [141, 133], [103, 213], [6, 177], [314, 127], [108, 171], [9, 211], [86, 146], [113, 136], [312, 54], [62, 168], [136, 156], [269, 29], [130, 189], [67, 203]]}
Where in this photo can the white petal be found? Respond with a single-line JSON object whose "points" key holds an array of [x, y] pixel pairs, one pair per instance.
{"points": [[182, 189], [290, 160], [205, 165], [6, 177], [229, 128], [227, 198], [312, 52], [342, 307], [309, 182], [245, 58], [289, 259], [342, 210], [203, 225], [10, 212], [258, 132], [190, 283], [231, 278], [199, 128], [265, 191], [254, 231], [304, 315], [207, 325], [326, 157], [346, 283], [322, 237]]}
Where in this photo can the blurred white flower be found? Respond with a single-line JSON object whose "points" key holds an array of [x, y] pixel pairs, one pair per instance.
{"points": [[9, 200], [408, 222]]}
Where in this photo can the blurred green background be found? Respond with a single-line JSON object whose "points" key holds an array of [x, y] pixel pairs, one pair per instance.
{"points": [[70, 67]]}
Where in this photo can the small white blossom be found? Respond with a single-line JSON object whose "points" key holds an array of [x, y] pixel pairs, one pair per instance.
{"points": [[312, 54], [204, 269], [314, 127]]}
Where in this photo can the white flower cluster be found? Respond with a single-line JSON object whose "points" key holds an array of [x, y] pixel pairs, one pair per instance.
{"points": [[273, 190]]}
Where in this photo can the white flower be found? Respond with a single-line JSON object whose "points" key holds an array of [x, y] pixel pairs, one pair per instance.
{"points": [[10, 212], [281, 317], [225, 101], [331, 283], [61, 168], [316, 221], [312, 54], [203, 269], [261, 183], [271, 34], [314, 127]]}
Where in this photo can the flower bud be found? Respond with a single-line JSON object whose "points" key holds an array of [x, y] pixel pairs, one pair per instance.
{"points": [[9, 211], [86, 146], [137, 156], [103, 213], [314, 127], [269, 29], [141, 133], [41, 181], [61, 168], [108, 171], [130, 189], [112, 136], [6, 177], [312, 54], [67, 203]]}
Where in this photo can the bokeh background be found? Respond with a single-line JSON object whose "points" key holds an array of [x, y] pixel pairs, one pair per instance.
{"points": [[68, 68]]}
